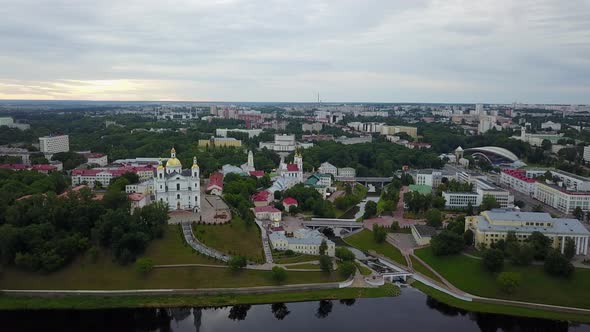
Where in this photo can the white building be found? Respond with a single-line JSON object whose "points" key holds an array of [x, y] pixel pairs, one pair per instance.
{"points": [[222, 132], [284, 143], [317, 126], [517, 179], [9, 122], [486, 123], [327, 168], [429, 177], [562, 199], [587, 153], [54, 144], [502, 196], [346, 173], [460, 200], [267, 213], [492, 226], [292, 172], [179, 188], [304, 241], [96, 159], [551, 125]]}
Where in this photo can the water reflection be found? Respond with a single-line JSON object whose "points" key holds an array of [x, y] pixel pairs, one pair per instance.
{"points": [[412, 311]]}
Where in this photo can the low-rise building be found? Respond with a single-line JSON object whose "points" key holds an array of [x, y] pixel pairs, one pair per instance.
{"points": [[267, 213], [223, 132], [316, 126], [215, 185], [284, 143], [560, 198], [41, 168], [262, 198], [290, 202], [460, 200], [218, 142], [138, 200], [304, 241], [328, 168], [99, 159], [392, 130], [105, 175], [422, 234], [517, 179], [492, 226]]}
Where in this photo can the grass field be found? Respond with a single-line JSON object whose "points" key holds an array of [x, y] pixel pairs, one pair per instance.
{"points": [[303, 266], [498, 309], [234, 238], [280, 258], [535, 286], [363, 269], [172, 249], [419, 267], [364, 241], [97, 302]]}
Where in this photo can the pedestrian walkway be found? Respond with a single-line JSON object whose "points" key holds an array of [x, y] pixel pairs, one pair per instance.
{"points": [[192, 241], [265, 243]]}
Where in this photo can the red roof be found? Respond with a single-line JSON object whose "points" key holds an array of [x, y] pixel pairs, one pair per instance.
{"points": [[257, 173], [136, 196], [519, 174], [94, 155], [215, 180], [261, 196], [292, 168], [14, 166], [290, 201], [44, 167], [266, 209]]}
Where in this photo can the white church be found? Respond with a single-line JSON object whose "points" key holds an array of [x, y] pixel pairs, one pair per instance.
{"points": [[179, 188]]}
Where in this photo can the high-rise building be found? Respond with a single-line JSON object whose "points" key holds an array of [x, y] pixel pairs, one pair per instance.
{"points": [[54, 144]]}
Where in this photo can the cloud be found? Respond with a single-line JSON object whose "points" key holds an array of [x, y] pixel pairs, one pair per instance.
{"points": [[348, 50]]}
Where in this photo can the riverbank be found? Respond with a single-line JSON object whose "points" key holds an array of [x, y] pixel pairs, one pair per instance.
{"points": [[14, 302], [497, 308]]}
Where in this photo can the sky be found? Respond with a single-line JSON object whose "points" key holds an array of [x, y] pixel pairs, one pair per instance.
{"points": [[290, 50]]}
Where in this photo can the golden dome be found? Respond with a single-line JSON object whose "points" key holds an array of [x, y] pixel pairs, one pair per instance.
{"points": [[173, 162], [195, 165]]}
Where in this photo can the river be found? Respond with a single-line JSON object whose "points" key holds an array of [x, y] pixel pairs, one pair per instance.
{"points": [[411, 311]]}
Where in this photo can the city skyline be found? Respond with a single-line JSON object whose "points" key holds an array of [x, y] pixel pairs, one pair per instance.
{"points": [[376, 51]]}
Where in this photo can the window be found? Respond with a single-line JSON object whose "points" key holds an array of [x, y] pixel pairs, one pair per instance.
{"points": [[178, 186], [177, 196]]}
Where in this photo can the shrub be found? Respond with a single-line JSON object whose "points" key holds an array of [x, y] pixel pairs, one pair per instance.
{"points": [[508, 281], [344, 254], [379, 233], [144, 265], [325, 263], [278, 274], [558, 265], [346, 269], [237, 263], [446, 243], [289, 252]]}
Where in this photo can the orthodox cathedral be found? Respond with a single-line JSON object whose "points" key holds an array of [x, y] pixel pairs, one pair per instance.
{"points": [[179, 188]]}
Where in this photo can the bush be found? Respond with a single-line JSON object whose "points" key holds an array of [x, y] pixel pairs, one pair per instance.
{"points": [[434, 218], [493, 260], [379, 233], [508, 281], [468, 237], [446, 243], [144, 265], [520, 254], [289, 252], [346, 269], [278, 274], [237, 263], [558, 265], [344, 254]]}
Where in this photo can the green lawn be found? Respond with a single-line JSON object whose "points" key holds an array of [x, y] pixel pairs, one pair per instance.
{"points": [[234, 238], [364, 241], [497, 308], [156, 301], [419, 267], [363, 269], [303, 266], [281, 258], [536, 286], [173, 249]]}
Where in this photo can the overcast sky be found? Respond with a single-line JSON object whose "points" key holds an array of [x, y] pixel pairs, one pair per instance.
{"points": [[261, 50]]}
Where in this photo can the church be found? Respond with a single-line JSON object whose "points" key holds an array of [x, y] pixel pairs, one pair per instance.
{"points": [[179, 188]]}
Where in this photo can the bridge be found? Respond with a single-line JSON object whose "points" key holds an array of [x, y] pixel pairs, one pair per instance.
{"points": [[348, 224], [381, 181]]}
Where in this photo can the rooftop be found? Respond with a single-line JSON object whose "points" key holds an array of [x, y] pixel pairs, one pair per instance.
{"points": [[519, 174], [425, 230], [559, 225]]}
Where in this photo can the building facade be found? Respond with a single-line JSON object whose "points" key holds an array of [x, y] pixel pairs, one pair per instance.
{"points": [[492, 226], [180, 189], [54, 144]]}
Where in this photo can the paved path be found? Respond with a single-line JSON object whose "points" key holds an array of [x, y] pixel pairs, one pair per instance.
{"points": [[192, 241], [265, 243], [398, 215]]}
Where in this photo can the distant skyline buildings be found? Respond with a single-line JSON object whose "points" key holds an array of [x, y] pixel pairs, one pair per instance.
{"points": [[338, 51]]}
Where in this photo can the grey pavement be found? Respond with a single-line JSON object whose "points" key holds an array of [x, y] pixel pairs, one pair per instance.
{"points": [[192, 241]]}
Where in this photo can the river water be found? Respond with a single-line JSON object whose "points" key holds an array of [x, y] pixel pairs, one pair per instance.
{"points": [[411, 311]]}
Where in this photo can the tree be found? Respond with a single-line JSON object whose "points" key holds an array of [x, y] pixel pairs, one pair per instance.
{"points": [[538, 208], [323, 247], [346, 269], [345, 254], [488, 202], [370, 209], [278, 274], [468, 237], [493, 260], [578, 213], [540, 243], [520, 254], [546, 145], [325, 263], [239, 312], [434, 218], [324, 309], [557, 264], [379, 233], [144, 265], [508, 281], [469, 209], [237, 263], [446, 243], [569, 248]]}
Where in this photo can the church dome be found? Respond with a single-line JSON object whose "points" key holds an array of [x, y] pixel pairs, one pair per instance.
{"points": [[173, 162]]}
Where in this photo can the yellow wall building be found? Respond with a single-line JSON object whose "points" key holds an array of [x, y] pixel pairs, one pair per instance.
{"points": [[220, 142]]}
